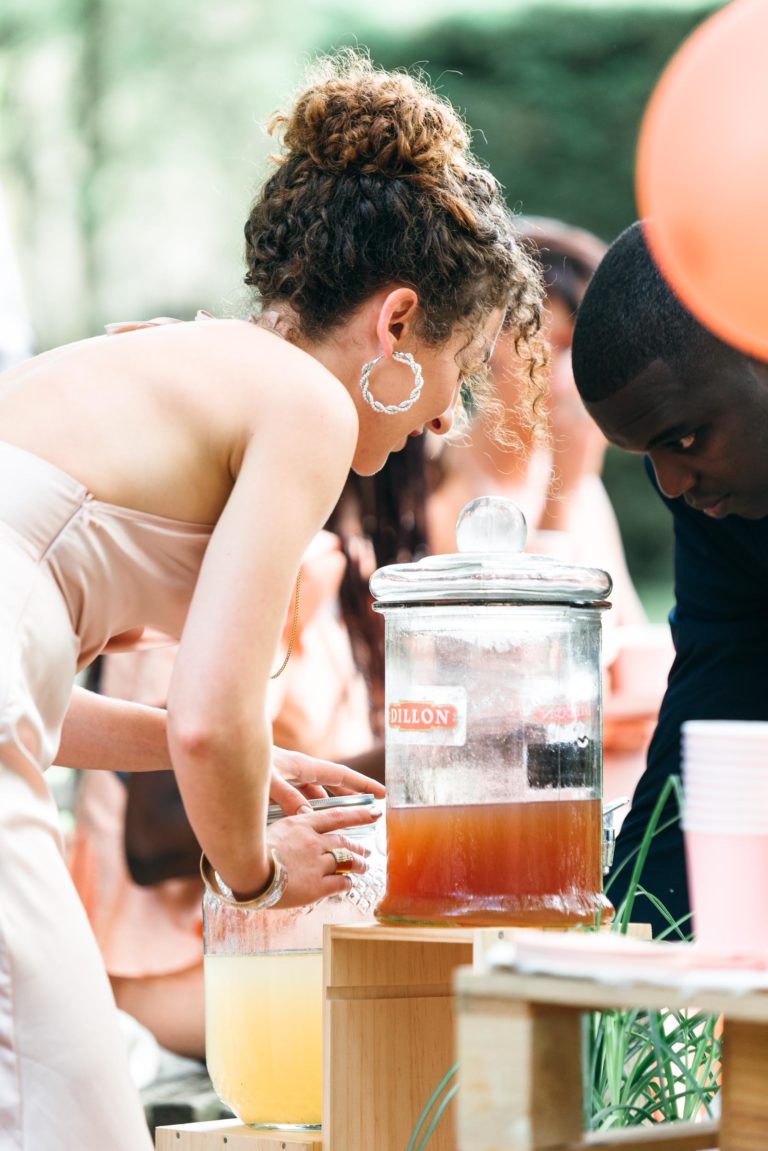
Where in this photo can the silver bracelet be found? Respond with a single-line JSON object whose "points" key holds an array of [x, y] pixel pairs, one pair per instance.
{"points": [[271, 894]]}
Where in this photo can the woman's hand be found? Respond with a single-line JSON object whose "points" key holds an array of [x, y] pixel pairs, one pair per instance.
{"points": [[304, 844], [296, 778]]}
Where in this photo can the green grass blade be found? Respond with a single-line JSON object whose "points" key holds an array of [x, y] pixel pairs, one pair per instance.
{"points": [[437, 1116], [414, 1144]]}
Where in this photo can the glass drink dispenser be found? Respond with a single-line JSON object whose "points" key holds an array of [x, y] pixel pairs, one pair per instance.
{"points": [[493, 731], [264, 991]]}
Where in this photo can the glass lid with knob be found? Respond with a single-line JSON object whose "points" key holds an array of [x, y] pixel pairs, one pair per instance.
{"points": [[490, 566]]}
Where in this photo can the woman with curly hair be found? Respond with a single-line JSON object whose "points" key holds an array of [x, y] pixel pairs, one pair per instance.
{"points": [[172, 479]]}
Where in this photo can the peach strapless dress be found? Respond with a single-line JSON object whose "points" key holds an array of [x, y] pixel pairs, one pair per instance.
{"points": [[74, 571]]}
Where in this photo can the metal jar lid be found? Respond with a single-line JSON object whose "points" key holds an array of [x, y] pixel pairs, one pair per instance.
{"points": [[361, 799], [490, 567]]}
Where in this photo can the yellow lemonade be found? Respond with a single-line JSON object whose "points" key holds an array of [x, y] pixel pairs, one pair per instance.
{"points": [[263, 1035]]}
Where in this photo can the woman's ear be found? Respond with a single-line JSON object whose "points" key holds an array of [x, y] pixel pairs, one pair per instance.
{"points": [[396, 318]]}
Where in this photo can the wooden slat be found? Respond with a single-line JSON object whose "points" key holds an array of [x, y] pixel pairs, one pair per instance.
{"points": [[231, 1135], [663, 1137], [378, 963], [744, 1125], [390, 933], [388, 1032], [589, 995], [413, 991], [520, 1077]]}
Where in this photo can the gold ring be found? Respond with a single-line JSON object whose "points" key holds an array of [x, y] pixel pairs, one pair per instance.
{"points": [[343, 859]]}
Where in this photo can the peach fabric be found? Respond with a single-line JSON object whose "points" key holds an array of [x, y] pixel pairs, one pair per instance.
{"points": [[320, 705], [75, 571]]}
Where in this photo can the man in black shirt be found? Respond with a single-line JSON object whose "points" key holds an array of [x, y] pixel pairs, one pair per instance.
{"points": [[657, 382]]}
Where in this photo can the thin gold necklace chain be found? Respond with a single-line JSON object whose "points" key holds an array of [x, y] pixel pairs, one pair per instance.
{"points": [[294, 625]]}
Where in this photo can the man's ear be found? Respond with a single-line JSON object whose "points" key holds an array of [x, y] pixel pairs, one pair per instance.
{"points": [[396, 318]]}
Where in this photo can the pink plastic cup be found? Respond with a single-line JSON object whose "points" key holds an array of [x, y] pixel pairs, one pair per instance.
{"points": [[725, 825], [726, 882]]}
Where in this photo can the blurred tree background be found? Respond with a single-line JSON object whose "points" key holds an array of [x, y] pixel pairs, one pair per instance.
{"points": [[131, 142]]}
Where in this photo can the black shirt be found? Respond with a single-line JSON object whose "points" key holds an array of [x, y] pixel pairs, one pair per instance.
{"points": [[720, 631]]}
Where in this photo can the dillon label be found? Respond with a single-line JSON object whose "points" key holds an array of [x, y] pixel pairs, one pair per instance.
{"points": [[429, 714]]}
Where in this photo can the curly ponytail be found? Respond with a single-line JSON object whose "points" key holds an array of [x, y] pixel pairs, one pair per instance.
{"points": [[376, 185]]}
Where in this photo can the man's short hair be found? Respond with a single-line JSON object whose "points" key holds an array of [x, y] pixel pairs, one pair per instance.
{"points": [[629, 318]]}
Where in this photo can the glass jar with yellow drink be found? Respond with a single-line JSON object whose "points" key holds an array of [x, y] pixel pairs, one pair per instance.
{"points": [[264, 993]]}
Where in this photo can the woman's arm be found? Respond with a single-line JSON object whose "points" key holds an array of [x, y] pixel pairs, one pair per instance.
{"points": [[292, 471], [111, 734]]}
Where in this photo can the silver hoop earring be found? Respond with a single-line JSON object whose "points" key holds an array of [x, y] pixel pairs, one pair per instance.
{"points": [[392, 409]]}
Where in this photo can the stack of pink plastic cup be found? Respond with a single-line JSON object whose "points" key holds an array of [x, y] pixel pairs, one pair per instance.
{"points": [[725, 821]]}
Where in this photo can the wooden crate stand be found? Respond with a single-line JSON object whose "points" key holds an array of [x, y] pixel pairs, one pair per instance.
{"points": [[389, 1038], [390, 1030], [518, 1041]]}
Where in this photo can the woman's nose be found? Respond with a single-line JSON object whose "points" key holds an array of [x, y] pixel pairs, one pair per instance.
{"points": [[442, 424], [673, 474]]}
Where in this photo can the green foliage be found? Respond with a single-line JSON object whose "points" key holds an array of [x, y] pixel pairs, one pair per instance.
{"points": [[650, 1067], [429, 1118], [131, 143], [555, 93]]}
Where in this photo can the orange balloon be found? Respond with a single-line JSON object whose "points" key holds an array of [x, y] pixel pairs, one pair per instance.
{"points": [[702, 174]]}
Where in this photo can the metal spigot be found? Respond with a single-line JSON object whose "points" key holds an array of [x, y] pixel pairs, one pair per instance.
{"points": [[609, 830]]}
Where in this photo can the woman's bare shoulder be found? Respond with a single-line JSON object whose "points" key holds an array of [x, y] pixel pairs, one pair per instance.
{"points": [[264, 364], [188, 399], [285, 408], [290, 384]]}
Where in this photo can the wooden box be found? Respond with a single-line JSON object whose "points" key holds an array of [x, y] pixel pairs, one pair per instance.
{"points": [[389, 1030]]}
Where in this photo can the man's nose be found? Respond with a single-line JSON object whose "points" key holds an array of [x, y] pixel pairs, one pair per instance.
{"points": [[673, 474]]}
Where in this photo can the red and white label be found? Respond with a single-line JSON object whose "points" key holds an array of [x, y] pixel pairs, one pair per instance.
{"points": [[418, 716], [435, 714]]}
